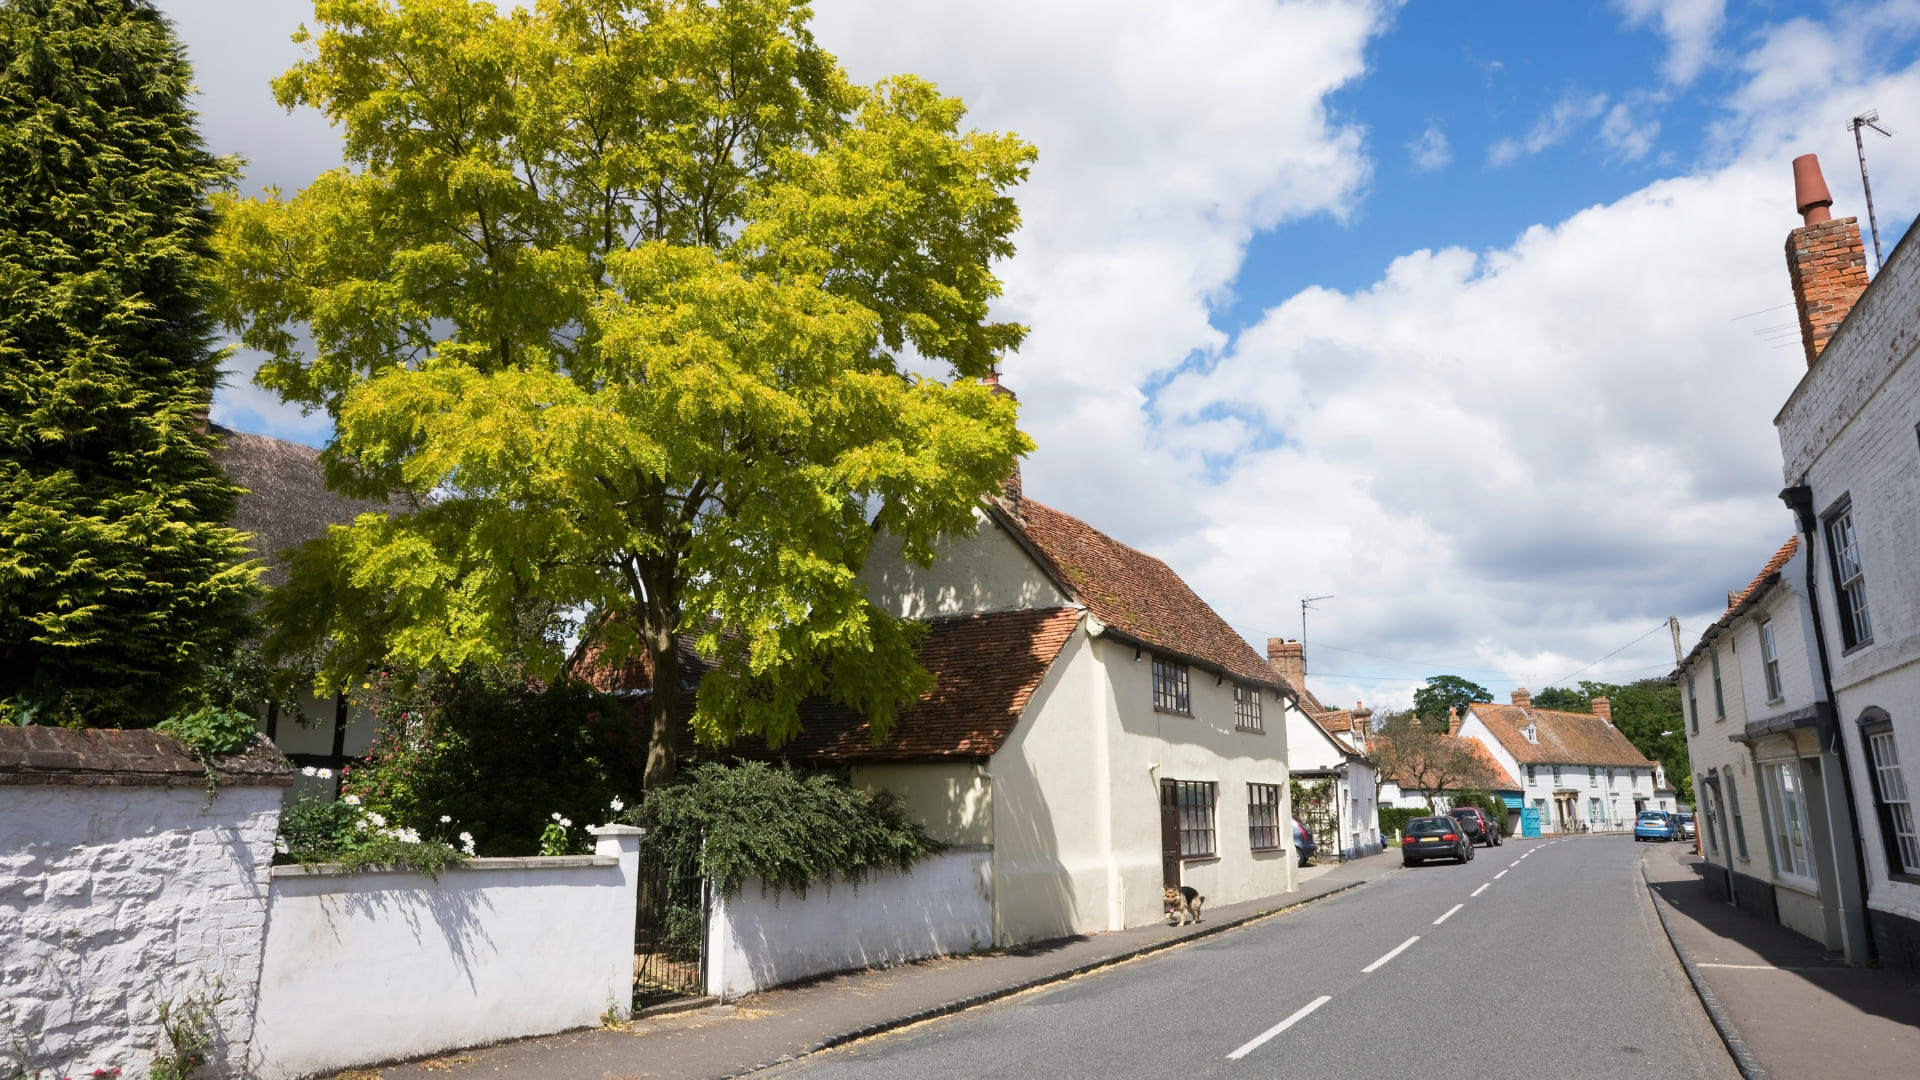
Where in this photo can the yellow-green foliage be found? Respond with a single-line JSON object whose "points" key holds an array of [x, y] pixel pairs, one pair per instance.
{"points": [[626, 289]]}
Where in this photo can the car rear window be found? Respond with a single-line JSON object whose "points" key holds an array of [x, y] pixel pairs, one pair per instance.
{"points": [[1430, 825], [1654, 817]]}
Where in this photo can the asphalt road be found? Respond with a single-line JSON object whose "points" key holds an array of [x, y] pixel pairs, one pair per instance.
{"points": [[1540, 958]]}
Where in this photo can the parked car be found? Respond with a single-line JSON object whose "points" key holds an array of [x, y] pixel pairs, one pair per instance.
{"points": [[1480, 828], [1686, 824], [1438, 837], [1303, 844], [1657, 825]]}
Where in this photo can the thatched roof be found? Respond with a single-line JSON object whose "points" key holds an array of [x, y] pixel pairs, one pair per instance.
{"points": [[286, 501]]}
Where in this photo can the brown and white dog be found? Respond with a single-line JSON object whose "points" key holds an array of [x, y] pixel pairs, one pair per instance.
{"points": [[1183, 905]]}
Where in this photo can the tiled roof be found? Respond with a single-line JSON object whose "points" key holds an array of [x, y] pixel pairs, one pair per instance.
{"points": [[985, 669], [1736, 602], [1566, 738], [1132, 592]]}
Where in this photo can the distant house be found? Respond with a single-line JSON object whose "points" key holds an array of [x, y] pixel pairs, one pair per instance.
{"points": [[1327, 747], [1093, 722], [285, 503], [1576, 771]]}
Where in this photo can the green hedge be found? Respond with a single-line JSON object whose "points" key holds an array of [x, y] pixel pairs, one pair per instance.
{"points": [[1393, 819]]}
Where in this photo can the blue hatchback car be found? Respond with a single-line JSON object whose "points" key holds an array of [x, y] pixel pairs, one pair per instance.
{"points": [[1658, 825]]}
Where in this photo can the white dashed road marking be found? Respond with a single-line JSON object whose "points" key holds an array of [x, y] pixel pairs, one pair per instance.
{"points": [[1480, 890], [1396, 951], [1449, 913], [1261, 1039], [1501, 874]]}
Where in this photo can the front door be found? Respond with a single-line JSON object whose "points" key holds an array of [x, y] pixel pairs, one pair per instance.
{"points": [[1169, 836]]}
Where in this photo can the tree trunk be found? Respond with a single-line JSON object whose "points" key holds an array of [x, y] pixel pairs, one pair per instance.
{"points": [[664, 658]]}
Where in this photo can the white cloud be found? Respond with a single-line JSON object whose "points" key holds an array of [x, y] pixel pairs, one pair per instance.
{"points": [[1691, 28], [1625, 138], [1430, 151], [1551, 129]]}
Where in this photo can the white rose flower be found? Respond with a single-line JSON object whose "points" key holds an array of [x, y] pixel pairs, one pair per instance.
{"points": [[617, 805], [566, 823], [556, 815], [350, 800], [280, 846], [446, 819], [466, 838], [376, 819]]}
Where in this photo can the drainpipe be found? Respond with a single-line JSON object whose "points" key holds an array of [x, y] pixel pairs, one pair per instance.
{"points": [[1799, 499]]}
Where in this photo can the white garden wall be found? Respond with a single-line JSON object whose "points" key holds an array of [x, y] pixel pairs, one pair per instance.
{"points": [[122, 887], [382, 965], [943, 906]]}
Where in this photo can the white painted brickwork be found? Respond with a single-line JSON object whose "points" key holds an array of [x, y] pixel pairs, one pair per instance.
{"points": [[1849, 429], [113, 899]]}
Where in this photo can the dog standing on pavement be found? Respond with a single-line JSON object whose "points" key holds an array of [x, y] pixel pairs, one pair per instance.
{"points": [[1183, 905]]}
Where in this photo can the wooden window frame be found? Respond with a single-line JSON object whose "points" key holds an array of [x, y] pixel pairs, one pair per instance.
{"points": [[1719, 696], [1739, 820], [1892, 798], [1693, 704], [1246, 709], [1263, 818], [1789, 836], [1770, 660], [1849, 577], [1195, 800], [1172, 686]]}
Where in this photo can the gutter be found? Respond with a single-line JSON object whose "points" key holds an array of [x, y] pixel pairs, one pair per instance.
{"points": [[1799, 499]]}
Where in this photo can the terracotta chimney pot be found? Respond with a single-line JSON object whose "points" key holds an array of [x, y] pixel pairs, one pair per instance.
{"points": [[1811, 199]]}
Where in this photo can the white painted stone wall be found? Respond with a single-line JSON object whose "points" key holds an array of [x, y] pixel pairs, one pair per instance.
{"points": [[115, 899], [971, 575], [1849, 429], [942, 906], [381, 965]]}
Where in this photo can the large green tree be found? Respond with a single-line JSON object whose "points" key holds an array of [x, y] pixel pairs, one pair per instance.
{"points": [[118, 576], [623, 296], [1443, 694]]}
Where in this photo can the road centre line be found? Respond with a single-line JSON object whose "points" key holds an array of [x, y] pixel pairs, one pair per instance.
{"points": [[1515, 862], [1480, 890], [1261, 1039], [1450, 912], [1396, 951], [1501, 874]]}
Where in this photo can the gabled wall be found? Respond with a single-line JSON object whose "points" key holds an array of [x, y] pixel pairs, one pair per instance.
{"points": [[988, 571]]}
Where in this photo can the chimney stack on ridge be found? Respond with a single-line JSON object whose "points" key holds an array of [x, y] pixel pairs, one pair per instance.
{"points": [[1603, 709], [1010, 487], [1522, 698], [1825, 259], [1288, 659]]}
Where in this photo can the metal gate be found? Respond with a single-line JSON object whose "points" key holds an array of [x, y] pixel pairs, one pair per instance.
{"points": [[1317, 807], [670, 930]]}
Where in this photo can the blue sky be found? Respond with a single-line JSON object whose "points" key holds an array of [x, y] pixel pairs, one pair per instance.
{"points": [[1494, 398]]}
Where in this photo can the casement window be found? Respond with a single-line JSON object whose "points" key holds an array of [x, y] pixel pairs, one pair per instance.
{"points": [[1693, 705], [1170, 684], [1263, 816], [1194, 801], [1733, 814], [1609, 779], [1786, 804], [1593, 776], [1849, 578], [1708, 819], [1894, 799], [1246, 708], [1556, 774], [1530, 774], [1719, 699], [1770, 660]]}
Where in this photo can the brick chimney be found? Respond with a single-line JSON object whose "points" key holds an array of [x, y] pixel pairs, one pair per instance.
{"points": [[1288, 659], [1825, 259], [1010, 487], [1603, 708], [1522, 698]]}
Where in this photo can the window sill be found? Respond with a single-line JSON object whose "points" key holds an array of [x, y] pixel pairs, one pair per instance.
{"points": [[1849, 651], [1804, 886], [1189, 860], [1905, 878], [1188, 713], [1268, 850], [1250, 730]]}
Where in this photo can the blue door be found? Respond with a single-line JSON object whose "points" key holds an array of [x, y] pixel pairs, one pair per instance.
{"points": [[1530, 821]]}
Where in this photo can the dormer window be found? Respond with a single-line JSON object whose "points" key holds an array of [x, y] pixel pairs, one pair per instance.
{"points": [[1532, 733]]}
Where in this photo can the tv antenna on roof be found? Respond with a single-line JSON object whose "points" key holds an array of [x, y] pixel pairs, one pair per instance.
{"points": [[1306, 604], [1868, 119]]}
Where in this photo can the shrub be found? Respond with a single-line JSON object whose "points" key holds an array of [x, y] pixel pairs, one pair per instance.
{"points": [[345, 831], [787, 827], [1393, 819], [497, 754]]}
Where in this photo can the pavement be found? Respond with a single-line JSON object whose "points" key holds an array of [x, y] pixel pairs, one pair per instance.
{"points": [[1790, 1009], [789, 1023]]}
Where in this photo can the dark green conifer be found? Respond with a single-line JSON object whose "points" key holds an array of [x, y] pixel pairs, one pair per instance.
{"points": [[118, 574]]}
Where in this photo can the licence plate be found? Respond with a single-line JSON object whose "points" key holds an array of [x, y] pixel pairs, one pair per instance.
{"points": [[1429, 839]]}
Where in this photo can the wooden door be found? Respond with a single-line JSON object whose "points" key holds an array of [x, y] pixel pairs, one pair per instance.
{"points": [[1169, 835]]}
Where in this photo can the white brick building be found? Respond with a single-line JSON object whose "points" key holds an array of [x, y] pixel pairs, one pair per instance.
{"points": [[1576, 771], [1848, 437]]}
